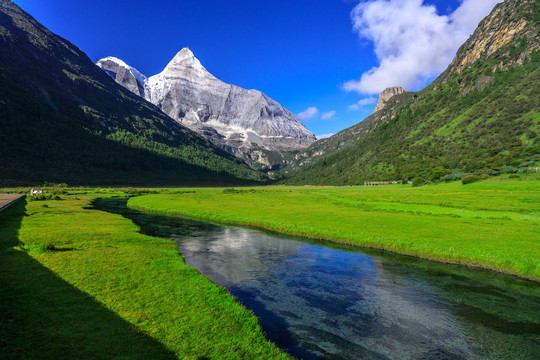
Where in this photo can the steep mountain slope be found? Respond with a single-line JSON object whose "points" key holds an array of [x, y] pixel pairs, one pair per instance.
{"points": [[246, 123], [65, 120], [481, 114]]}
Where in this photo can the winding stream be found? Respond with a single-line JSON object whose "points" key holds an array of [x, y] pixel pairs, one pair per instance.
{"points": [[324, 301]]}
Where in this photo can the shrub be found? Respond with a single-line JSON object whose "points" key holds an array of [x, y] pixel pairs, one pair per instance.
{"points": [[43, 197], [453, 177], [417, 181], [438, 173], [484, 176], [470, 179], [509, 170], [513, 176], [229, 191]]}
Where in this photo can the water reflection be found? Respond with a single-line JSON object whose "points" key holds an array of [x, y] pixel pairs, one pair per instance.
{"points": [[321, 302]]}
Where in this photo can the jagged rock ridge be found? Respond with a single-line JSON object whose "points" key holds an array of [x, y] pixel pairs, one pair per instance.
{"points": [[244, 122], [386, 95]]}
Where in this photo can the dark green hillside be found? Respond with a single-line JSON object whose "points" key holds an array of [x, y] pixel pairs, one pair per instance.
{"points": [[481, 115], [64, 120]]}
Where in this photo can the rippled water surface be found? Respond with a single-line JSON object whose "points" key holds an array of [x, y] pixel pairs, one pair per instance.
{"points": [[331, 302]]}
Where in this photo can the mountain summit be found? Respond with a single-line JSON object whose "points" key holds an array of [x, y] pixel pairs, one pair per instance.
{"points": [[246, 123], [65, 120]]}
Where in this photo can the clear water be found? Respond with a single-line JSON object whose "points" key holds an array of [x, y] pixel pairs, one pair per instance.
{"points": [[322, 301]]}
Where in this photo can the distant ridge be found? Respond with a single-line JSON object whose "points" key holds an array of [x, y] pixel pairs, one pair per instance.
{"points": [[65, 120]]}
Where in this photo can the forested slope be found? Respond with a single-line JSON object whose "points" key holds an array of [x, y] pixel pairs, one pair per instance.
{"points": [[65, 120], [480, 115]]}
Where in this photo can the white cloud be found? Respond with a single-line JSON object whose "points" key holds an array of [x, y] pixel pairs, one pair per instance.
{"points": [[323, 136], [307, 114], [363, 102], [328, 115], [411, 41]]}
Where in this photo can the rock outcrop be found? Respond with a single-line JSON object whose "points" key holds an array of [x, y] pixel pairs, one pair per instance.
{"points": [[246, 123], [124, 74], [502, 27], [386, 95]]}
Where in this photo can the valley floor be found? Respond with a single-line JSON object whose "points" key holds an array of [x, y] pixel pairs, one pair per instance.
{"points": [[81, 283], [493, 224], [78, 283]]}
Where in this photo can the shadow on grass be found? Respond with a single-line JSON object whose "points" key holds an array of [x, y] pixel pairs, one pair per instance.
{"points": [[44, 317]]}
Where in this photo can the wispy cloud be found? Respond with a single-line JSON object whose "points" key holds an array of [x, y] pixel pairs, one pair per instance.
{"points": [[307, 114], [363, 102], [323, 136], [412, 42], [328, 115]]}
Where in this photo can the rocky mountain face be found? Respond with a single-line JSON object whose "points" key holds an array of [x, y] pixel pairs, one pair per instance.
{"points": [[124, 74], [246, 123], [386, 95], [64, 120], [480, 115], [510, 23]]}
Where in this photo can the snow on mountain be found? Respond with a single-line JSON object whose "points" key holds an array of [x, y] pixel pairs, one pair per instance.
{"points": [[244, 122]]}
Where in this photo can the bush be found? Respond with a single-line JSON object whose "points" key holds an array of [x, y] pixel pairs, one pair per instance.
{"points": [[453, 177], [438, 173], [43, 197], [417, 181], [484, 176], [470, 179], [229, 191], [509, 170], [513, 176]]}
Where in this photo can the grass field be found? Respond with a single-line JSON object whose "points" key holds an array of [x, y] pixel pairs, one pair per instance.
{"points": [[493, 224], [78, 283]]}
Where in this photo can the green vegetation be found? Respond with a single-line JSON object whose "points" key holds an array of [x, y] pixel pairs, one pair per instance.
{"points": [[79, 283], [470, 179], [494, 130], [65, 120], [477, 120], [493, 224]]}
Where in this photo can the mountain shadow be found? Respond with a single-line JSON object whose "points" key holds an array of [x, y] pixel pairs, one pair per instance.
{"points": [[64, 118], [44, 317]]}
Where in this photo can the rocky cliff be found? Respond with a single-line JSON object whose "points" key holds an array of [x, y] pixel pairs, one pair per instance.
{"points": [[386, 95], [125, 75], [506, 37], [246, 123]]}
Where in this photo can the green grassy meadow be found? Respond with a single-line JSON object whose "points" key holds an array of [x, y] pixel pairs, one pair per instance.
{"points": [[493, 224], [82, 283], [78, 283]]}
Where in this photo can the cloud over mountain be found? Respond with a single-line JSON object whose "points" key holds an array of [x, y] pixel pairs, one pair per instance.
{"points": [[411, 40], [307, 114]]}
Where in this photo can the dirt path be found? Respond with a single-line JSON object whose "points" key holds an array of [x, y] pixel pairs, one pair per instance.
{"points": [[7, 199]]}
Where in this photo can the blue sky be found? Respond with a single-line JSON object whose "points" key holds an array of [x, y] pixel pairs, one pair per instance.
{"points": [[324, 60]]}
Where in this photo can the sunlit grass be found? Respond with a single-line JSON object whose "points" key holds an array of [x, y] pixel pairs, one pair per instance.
{"points": [[81, 283], [492, 224]]}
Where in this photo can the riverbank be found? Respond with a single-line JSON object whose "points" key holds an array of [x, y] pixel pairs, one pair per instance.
{"points": [[493, 224], [81, 283]]}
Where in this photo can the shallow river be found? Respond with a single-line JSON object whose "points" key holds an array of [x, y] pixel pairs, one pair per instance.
{"points": [[334, 302]]}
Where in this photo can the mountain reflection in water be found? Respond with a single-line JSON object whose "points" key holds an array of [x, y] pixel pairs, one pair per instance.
{"points": [[340, 302]]}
